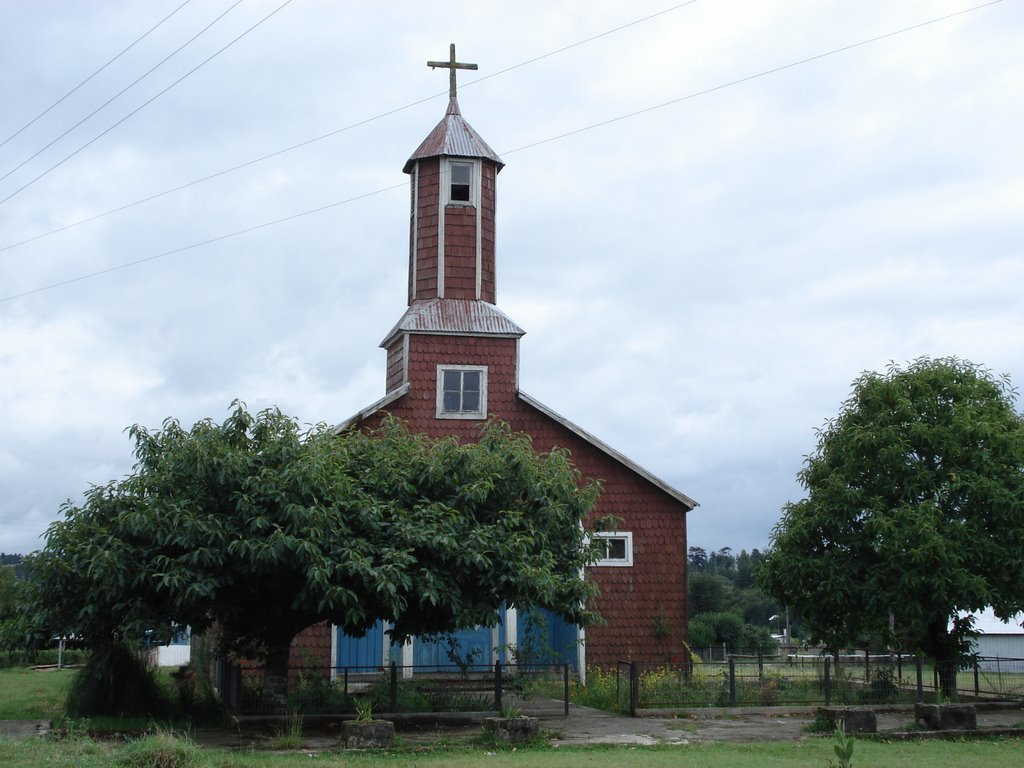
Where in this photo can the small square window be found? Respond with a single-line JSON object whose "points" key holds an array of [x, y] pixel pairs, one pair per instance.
{"points": [[460, 188], [462, 392], [618, 548]]}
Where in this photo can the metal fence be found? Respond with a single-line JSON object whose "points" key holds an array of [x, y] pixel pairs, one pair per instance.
{"points": [[762, 679], [395, 689]]}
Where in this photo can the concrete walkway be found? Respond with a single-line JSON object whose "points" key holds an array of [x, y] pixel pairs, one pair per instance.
{"points": [[592, 726]]}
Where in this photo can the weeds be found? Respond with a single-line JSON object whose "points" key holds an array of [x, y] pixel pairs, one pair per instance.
{"points": [[160, 750], [288, 734]]}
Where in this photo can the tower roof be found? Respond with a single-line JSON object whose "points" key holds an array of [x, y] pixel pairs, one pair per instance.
{"points": [[453, 137], [459, 317]]}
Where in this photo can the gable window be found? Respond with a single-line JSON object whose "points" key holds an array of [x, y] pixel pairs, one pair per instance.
{"points": [[460, 181], [462, 392], [617, 549]]}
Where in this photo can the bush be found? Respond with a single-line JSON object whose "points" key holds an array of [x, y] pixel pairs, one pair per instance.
{"points": [[47, 657], [116, 682], [160, 750]]}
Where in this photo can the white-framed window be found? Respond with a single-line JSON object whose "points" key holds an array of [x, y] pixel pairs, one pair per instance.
{"points": [[618, 548], [462, 392], [462, 187]]}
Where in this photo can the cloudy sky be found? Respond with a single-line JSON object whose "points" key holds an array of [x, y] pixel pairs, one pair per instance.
{"points": [[713, 216]]}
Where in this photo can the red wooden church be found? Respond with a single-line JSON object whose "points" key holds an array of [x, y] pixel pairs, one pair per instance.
{"points": [[452, 362]]}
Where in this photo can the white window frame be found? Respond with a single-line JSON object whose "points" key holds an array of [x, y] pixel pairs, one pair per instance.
{"points": [[626, 536], [481, 413], [474, 181]]}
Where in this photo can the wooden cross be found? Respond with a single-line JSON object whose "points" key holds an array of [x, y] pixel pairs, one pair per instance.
{"points": [[451, 64]]}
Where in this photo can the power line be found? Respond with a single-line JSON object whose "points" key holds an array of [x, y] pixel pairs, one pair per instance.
{"points": [[128, 87], [748, 78], [335, 132], [329, 206], [146, 103], [90, 77], [191, 246]]}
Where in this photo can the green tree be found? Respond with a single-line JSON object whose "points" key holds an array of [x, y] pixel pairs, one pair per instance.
{"points": [[914, 509], [11, 628], [708, 593], [261, 529]]}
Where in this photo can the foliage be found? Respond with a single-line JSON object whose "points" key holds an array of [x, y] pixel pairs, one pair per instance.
{"points": [[160, 750], [722, 583], [843, 747], [12, 625], [728, 628], [115, 681], [915, 510], [264, 529], [288, 733], [41, 657], [701, 633], [364, 711]]}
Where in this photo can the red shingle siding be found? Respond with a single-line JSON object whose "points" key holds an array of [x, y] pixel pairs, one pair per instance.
{"points": [[424, 249], [634, 600], [488, 200], [460, 252], [311, 648], [393, 378]]}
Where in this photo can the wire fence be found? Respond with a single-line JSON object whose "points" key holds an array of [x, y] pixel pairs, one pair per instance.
{"points": [[396, 689], [763, 679]]}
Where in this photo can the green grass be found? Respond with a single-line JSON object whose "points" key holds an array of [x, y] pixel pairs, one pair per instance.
{"points": [[30, 694], [992, 753]]}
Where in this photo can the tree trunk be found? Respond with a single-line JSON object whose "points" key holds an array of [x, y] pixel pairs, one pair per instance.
{"points": [[274, 697], [946, 670]]}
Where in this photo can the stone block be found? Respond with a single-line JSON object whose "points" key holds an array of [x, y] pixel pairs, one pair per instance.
{"points": [[853, 719], [946, 717], [517, 730], [376, 734]]}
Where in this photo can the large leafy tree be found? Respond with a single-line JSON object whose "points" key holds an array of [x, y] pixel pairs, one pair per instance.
{"points": [[914, 512], [261, 529]]}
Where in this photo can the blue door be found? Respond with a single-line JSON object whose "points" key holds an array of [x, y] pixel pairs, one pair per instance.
{"points": [[469, 647], [362, 654], [544, 637]]}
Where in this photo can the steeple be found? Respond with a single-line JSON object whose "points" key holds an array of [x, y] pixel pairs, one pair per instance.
{"points": [[451, 236], [452, 286]]}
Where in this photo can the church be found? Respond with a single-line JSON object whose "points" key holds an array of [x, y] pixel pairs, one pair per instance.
{"points": [[452, 363]]}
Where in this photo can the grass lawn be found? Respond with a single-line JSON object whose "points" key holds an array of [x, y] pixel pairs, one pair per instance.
{"points": [[992, 753], [29, 694]]}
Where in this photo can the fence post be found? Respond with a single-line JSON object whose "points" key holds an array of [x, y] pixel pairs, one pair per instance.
{"points": [[760, 665], [828, 682], [976, 687], [732, 681], [867, 666], [394, 687], [497, 685], [634, 687], [920, 679], [565, 687], [347, 697]]}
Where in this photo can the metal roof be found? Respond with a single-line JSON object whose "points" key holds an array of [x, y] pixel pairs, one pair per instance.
{"points": [[454, 316], [453, 137]]}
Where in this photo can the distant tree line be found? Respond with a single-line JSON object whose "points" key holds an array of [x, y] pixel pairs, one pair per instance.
{"points": [[10, 575], [725, 604]]}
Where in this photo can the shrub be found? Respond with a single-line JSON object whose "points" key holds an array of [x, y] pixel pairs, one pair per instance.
{"points": [[115, 681], [160, 750]]}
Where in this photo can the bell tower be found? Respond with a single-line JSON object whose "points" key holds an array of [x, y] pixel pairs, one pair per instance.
{"points": [[451, 230], [452, 277]]}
